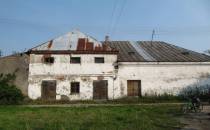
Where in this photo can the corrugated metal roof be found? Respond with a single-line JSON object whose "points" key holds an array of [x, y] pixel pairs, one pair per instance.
{"points": [[142, 52], [155, 51]]}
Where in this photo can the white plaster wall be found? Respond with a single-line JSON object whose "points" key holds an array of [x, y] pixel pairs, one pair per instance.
{"points": [[156, 78], [62, 65], [64, 73], [63, 87], [164, 78]]}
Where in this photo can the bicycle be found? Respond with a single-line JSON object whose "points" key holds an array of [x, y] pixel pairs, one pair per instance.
{"points": [[192, 107]]}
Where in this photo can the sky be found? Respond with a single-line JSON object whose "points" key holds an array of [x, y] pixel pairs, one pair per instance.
{"points": [[27, 23]]}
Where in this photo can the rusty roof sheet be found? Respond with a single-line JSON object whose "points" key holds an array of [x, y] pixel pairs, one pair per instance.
{"points": [[72, 41], [155, 51]]}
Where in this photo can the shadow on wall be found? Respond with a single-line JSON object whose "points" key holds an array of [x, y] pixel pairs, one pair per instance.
{"points": [[200, 89]]}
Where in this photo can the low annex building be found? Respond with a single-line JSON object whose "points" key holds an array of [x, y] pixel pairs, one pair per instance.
{"points": [[76, 66]]}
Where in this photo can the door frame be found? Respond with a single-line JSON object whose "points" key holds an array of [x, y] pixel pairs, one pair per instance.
{"points": [[106, 98], [139, 88], [44, 97]]}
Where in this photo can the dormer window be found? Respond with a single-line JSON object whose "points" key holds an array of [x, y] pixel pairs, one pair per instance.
{"points": [[99, 59], [49, 60]]}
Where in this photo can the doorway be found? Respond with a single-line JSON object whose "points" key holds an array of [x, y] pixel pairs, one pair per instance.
{"points": [[48, 90], [100, 89], [134, 88]]}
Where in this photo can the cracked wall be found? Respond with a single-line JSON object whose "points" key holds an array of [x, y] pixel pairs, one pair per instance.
{"points": [[64, 73]]}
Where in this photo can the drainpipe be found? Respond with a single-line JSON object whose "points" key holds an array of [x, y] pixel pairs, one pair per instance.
{"points": [[113, 88]]}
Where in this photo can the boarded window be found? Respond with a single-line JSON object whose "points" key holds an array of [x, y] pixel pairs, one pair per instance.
{"points": [[48, 60], [99, 59], [100, 89], [76, 60], [75, 87], [48, 90]]}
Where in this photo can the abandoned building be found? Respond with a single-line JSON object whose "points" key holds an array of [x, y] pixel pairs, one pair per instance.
{"points": [[76, 66]]}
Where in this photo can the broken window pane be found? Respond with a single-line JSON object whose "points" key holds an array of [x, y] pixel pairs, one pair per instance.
{"points": [[49, 60]]}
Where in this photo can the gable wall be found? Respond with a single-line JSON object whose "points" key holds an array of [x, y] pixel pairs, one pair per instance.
{"points": [[65, 72]]}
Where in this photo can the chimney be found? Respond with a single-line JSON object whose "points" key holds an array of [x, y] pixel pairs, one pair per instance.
{"points": [[106, 38]]}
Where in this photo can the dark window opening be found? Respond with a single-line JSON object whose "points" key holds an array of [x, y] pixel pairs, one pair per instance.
{"points": [[99, 59], [49, 60], [75, 87], [76, 60]]}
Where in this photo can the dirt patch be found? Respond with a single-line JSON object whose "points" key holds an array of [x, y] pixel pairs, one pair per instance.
{"points": [[197, 121]]}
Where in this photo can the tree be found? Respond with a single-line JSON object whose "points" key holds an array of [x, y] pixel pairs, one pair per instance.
{"points": [[9, 93]]}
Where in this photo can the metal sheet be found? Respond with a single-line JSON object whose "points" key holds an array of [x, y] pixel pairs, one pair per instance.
{"points": [[68, 41], [142, 52]]}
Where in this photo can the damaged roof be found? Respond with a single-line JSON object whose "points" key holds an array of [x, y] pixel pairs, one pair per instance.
{"points": [[128, 51], [155, 51], [73, 42]]}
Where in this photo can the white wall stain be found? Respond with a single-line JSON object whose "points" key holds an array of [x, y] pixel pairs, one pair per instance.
{"points": [[156, 79]]}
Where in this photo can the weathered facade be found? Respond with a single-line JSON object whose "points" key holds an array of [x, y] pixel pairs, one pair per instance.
{"points": [[75, 66], [78, 67], [65, 73]]}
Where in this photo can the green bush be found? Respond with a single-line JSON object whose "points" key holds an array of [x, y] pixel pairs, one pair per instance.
{"points": [[203, 92], [9, 93]]}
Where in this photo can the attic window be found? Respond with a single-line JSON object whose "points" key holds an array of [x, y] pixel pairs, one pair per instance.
{"points": [[131, 52], [185, 53], [75, 60], [49, 60]]}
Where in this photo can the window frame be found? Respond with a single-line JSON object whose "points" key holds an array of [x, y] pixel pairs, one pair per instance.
{"points": [[71, 61], [50, 60], [74, 86], [99, 60]]}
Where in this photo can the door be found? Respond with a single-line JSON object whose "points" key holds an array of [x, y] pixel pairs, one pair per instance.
{"points": [[134, 87], [48, 90], [100, 89]]}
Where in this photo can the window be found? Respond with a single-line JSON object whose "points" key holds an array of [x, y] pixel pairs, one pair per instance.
{"points": [[99, 59], [75, 60], [49, 60], [74, 87]]}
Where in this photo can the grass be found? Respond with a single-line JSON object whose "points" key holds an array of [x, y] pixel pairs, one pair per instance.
{"points": [[127, 117], [126, 100]]}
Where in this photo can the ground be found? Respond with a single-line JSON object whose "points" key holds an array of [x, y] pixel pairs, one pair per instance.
{"points": [[197, 121], [125, 117], [102, 117]]}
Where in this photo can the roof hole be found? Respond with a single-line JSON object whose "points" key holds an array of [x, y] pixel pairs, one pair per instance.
{"points": [[131, 52], [185, 53]]}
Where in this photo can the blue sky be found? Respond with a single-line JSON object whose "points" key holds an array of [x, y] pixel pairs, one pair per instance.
{"points": [[27, 23]]}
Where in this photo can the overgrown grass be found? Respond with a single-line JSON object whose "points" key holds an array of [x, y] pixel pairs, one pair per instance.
{"points": [[127, 100], [127, 117]]}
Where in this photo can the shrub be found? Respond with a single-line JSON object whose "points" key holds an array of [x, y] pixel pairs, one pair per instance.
{"points": [[9, 93], [203, 92]]}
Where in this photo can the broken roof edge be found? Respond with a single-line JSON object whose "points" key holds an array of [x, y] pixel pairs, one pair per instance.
{"points": [[72, 52]]}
